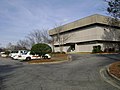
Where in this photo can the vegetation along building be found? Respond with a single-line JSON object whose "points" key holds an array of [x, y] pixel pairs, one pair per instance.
{"points": [[83, 34]]}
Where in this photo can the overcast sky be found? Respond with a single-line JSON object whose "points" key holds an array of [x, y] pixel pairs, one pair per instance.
{"points": [[19, 17]]}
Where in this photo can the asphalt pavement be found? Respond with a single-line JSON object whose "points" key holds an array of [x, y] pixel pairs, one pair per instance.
{"points": [[82, 73]]}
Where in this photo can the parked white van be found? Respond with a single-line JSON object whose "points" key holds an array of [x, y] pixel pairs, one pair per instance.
{"points": [[29, 56], [15, 54]]}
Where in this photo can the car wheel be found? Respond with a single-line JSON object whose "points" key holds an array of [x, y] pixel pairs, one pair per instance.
{"points": [[28, 58], [44, 57]]}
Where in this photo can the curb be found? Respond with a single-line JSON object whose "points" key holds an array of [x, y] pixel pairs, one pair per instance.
{"points": [[113, 76], [108, 78], [55, 62]]}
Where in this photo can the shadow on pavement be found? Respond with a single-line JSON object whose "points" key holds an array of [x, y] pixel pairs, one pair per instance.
{"points": [[114, 57], [6, 73]]}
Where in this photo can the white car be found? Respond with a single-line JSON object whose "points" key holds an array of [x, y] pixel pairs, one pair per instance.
{"points": [[2, 54], [29, 56], [17, 53]]}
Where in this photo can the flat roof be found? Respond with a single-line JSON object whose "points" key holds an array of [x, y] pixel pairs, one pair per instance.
{"points": [[96, 18]]}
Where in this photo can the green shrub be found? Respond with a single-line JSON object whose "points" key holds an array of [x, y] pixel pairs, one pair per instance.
{"points": [[99, 49], [41, 49], [7, 52], [63, 53], [96, 49]]}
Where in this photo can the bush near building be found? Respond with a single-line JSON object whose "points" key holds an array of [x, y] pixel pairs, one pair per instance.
{"points": [[96, 49], [41, 49]]}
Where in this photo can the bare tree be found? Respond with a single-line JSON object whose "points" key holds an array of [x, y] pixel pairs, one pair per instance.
{"points": [[113, 9], [34, 37], [59, 37], [10, 46], [23, 44], [58, 29], [45, 36]]}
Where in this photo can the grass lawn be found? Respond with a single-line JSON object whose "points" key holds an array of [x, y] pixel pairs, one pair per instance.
{"points": [[115, 69], [55, 58]]}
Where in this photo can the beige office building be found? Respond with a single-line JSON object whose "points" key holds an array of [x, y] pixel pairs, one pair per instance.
{"points": [[83, 34]]}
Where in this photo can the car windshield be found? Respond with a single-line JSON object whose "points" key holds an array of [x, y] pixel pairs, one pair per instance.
{"points": [[14, 52], [25, 52]]}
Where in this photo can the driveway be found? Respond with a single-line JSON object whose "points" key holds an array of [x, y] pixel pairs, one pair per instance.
{"points": [[80, 74]]}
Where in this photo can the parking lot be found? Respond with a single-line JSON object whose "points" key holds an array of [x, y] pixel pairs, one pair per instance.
{"points": [[82, 73]]}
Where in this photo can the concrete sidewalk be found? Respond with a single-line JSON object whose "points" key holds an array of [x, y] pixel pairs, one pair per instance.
{"points": [[104, 72]]}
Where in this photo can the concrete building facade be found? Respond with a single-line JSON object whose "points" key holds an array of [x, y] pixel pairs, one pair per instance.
{"points": [[83, 34]]}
